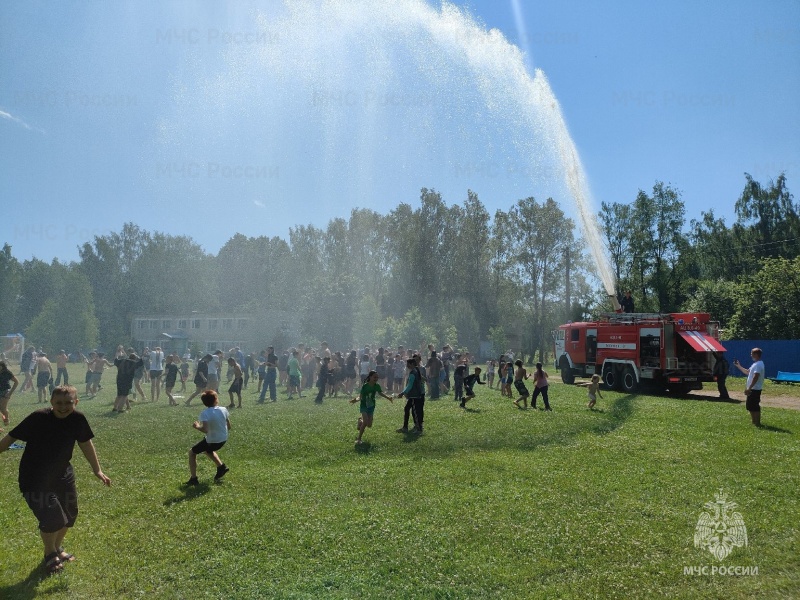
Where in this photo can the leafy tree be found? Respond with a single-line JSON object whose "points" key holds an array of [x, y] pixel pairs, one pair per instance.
{"points": [[66, 320], [772, 217], [768, 305], [9, 292], [656, 244]]}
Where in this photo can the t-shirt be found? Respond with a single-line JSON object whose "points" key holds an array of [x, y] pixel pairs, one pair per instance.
{"points": [[368, 391], [756, 367], [5, 381], [217, 419], [126, 369], [50, 442], [156, 361], [201, 374], [294, 367], [172, 374], [213, 366]]}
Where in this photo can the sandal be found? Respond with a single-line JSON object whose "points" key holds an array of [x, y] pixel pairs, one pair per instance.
{"points": [[65, 556], [52, 563]]}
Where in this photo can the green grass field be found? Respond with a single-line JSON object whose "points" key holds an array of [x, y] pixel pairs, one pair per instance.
{"points": [[491, 502]]}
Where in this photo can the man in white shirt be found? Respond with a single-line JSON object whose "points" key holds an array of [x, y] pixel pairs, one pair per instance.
{"points": [[755, 382]]}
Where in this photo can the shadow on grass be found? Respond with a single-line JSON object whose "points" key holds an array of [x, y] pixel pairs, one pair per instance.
{"points": [[471, 410], [363, 448], [606, 422], [775, 429], [188, 493], [27, 588]]}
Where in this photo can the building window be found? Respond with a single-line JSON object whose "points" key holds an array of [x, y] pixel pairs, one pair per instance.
{"points": [[212, 324], [142, 324], [182, 324], [154, 324], [195, 323], [227, 323], [211, 346], [166, 325]]}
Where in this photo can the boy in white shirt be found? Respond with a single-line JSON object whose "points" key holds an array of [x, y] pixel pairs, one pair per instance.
{"points": [[215, 423]]}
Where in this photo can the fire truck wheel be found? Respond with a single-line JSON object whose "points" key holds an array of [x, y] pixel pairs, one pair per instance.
{"points": [[610, 378], [629, 383], [566, 375]]}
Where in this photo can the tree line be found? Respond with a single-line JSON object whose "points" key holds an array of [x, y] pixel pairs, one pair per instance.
{"points": [[430, 273]]}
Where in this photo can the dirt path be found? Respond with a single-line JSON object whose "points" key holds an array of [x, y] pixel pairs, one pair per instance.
{"points": [[789, 402]]}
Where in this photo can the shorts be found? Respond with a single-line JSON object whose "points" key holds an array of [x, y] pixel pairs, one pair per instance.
{"points": [[213, 380], [96, 377], [124, 388], [236, 387], [88, 378], [154, 374], [42, 379], [54, 509], [367, 409], [203, 446], [520, 385], [753, 402], [170, 383], [294, 380]]}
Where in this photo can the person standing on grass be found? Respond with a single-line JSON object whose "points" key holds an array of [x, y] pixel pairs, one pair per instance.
{"points": [[432, 369], [370, 388], [126, 372], [519, 382], [721, 371], [61, 368], [322, 379], [215, 422], [156, 371], [594, 391], [415, 395], [46, 478], [236, 386], [44, 373], [214, 366], [200, 378], [541, 386], [295, 375], [170, 377], [270, 377], [755, 383], [491, 366], [6, 389], [184, 373], [458, 378]]}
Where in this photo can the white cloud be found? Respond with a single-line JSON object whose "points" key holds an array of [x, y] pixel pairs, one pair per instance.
{"points": [[11, 117]]}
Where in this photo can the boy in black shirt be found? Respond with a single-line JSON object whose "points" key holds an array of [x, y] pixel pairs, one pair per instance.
{"points": [[469, 381], [46, 479]]}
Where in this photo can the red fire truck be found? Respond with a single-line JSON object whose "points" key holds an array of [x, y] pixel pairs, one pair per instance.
{"points": [[628, 350]]}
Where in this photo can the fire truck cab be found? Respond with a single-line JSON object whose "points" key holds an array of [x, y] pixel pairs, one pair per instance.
{"points": [[671, 351]]}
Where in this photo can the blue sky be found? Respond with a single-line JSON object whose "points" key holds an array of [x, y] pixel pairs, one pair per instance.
{"points": [[208, 118]]}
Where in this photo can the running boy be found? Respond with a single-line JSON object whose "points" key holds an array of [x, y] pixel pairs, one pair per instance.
{"points": [[594, 391], [367, 407], [469, 381], [215, 423], [519, 382], [46, 479]]}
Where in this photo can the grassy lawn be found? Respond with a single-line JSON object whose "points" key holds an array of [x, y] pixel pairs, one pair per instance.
{"points": [[489, 502]]}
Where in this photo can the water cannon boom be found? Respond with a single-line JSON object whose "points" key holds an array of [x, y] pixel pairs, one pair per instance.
{"points": [[615, 303]]}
